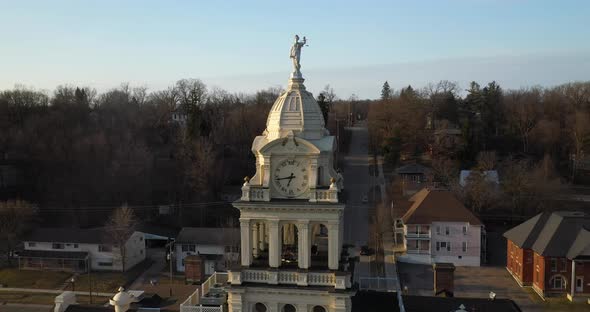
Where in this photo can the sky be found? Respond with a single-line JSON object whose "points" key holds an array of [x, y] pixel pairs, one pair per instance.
{"points": [[243, 46]]}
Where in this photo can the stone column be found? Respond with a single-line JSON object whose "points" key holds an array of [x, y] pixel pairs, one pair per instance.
{"points": [[304, 244], [274, 246], [573, 280], [333, 245], [255, 240], [235, 303], [261, 234], [266, 171], [246, 251]]}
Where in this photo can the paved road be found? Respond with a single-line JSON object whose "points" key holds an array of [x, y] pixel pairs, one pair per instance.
{"points": [[357, 182]]}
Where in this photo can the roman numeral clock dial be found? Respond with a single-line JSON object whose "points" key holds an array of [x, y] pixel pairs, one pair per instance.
{"points": [[290, 178]]}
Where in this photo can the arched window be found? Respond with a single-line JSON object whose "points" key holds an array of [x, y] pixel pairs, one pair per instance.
{"points": [[557, 282], [260, 307], [289, 308], [319, 309]]}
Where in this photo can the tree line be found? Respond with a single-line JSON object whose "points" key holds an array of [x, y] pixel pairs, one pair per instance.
{"points": [[537, 138], [83, 153]]}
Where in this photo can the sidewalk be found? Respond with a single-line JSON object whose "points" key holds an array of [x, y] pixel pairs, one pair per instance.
{"points": [[153, 272]]}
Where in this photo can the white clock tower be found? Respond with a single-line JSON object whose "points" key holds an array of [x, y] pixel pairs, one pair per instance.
{"points": [[290, 213]]}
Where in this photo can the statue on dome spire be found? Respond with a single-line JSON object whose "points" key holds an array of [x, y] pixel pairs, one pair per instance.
{"points": [[296, 54]]}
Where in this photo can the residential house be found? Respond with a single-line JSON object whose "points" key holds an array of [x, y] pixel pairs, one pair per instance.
{"points": [[413, 177], [219, 247], [549, 251], [438, 228], [69, 249]]}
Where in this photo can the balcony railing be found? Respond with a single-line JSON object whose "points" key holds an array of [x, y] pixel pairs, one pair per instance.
{"points": [[418, 251], [287, 277], [418, 235], [258, 193]]}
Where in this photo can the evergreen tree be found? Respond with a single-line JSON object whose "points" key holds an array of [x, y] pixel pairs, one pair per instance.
{"points": [[386, 92], [324, 106]]}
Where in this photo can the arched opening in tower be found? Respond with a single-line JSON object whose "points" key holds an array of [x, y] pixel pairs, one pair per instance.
{"points": [[290, 243], [319, 245]]}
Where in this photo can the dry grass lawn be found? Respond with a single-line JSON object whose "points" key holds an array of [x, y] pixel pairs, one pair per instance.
{"points": [[12, 277]]}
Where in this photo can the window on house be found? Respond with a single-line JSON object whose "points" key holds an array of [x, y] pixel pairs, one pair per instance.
{"points": [[447, 230], [105, 263], [553, 265], [75, 245], [464, 230], [464, 246], [437, 230], [31, 244], [57, 246], [437, 246], [188, 248], [448, 246], [105, 248], [563, 265]]}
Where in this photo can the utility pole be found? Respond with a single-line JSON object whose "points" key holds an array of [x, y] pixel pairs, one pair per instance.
{"points": [[170, 261]]}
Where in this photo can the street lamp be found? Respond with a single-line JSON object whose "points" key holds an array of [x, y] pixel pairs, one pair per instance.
{"points": [[73, 281]]}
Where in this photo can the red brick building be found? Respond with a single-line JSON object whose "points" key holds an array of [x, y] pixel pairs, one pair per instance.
{"points": [[551, 253]]}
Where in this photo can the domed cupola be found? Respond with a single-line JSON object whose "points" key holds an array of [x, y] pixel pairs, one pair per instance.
{"points": [[295, 111]]}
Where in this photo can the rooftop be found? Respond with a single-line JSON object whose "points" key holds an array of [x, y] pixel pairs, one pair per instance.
{"points": [[430, 206], [209, 236], [96, 235], [554, 234]]}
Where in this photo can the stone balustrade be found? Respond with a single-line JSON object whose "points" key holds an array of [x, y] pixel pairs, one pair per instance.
{"points": [[339, 280], [258, 193]]}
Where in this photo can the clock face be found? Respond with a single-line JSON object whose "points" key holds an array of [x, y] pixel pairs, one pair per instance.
{"points": [[290, 178]]}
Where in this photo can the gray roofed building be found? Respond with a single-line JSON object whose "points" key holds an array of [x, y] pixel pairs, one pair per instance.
{"points": [[69, 235], [412, 169], [208, 236], [526, 233], [556, 234]]}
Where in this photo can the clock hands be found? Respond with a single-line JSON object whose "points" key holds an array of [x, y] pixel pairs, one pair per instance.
{"points": [[290, 178]]}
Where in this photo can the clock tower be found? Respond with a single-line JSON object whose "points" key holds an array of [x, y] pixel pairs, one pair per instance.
{"points": [[290, 213]]}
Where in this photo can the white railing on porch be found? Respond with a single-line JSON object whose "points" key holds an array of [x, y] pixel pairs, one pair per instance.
{"points": [[193, 302], [215, 279]]}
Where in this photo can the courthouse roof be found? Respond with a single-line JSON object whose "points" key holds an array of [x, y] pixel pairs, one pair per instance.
{"points": [[437, 206]]}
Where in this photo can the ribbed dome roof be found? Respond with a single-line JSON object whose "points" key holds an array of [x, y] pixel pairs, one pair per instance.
{"points": [[295, 111]]}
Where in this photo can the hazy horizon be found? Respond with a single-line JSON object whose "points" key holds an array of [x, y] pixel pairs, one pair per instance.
{"points": [[243, 47]]}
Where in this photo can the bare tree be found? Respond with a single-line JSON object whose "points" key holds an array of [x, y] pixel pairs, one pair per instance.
{"points": [[329, 94], [119, 228], [486, 160], [523, 112], [15, 218]]}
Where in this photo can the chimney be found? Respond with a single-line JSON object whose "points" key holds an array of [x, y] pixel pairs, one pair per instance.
{"points": [[444, 275], [64, 300]]}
